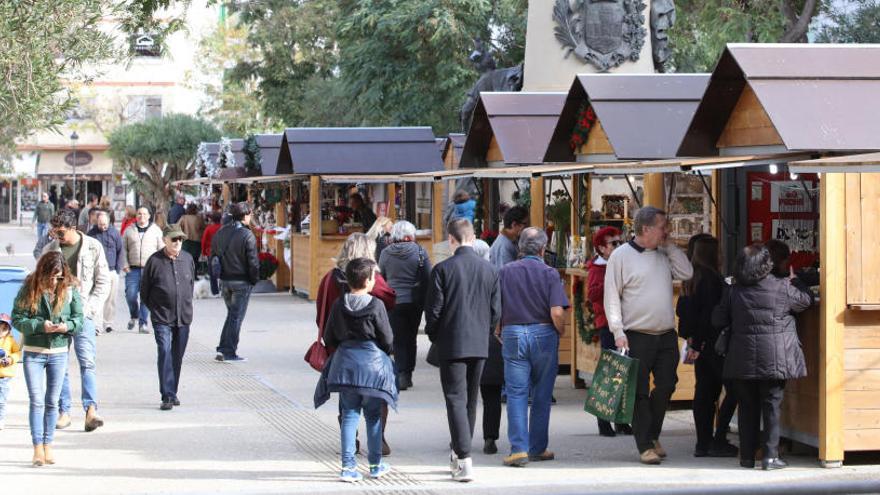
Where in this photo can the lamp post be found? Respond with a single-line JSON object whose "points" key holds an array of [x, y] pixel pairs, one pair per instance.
{"points": [[73, 139]]}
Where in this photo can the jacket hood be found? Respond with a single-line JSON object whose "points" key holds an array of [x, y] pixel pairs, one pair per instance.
{"points": [[598, 262], [357, 307], [402, 250]]}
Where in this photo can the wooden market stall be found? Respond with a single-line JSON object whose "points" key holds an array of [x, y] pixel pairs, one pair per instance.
{"points": [[339, 160], [813, 99]]}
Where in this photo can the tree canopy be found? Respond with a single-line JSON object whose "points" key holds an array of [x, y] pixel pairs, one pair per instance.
{"points": [[157, 151], [856, 21]]}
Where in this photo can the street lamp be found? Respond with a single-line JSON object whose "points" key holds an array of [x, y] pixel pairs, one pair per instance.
{"points": [[73, 139]]}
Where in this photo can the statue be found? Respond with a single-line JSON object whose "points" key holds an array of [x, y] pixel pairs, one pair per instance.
{"points": [[491, 79], [662, 19], [605, 33]]}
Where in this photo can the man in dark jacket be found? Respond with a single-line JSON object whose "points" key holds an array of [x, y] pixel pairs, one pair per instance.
{"points": [[464, 305], [109, 237], [43, 213], [177, 209], [167, 290], [236, 247]]}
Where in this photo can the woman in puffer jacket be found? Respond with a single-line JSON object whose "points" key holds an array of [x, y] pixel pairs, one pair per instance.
{"points": [[764, 350]]}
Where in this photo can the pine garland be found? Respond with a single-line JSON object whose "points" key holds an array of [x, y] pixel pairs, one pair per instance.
{"points": [[586, 327]]}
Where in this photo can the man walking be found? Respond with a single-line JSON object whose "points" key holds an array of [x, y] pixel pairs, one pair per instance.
{"points": [[463, 306], [640, 313], [85, 257], [533, 306], [84, 224], [177, 209], [111, 241], [43, 214], [140, 243], [236, 248], [504, 250], [167, 290]]}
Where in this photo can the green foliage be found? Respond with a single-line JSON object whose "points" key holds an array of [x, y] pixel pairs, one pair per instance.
{"points": [[158, 151], [857, 21], [41, 43], [252, 156]]}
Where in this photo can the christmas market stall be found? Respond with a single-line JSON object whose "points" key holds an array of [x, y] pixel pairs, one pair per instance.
{"points": [[808, 100]]}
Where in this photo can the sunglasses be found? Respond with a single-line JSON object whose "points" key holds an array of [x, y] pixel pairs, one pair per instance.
{"points": [[178, 239], [614, 243]]}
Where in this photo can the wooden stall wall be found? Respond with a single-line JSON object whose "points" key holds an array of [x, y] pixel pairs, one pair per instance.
{"points": [[749, 124]]}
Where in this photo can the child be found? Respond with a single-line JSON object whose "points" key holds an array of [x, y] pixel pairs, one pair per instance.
{"points": [[464, 206], [10, 354], [360, 370]]}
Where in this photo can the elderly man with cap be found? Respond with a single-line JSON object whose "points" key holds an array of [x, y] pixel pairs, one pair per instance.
{"points": [[167, 291]]}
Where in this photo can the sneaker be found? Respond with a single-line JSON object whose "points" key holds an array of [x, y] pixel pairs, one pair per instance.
{"points": [[464, 472], [63, 421], [143, 329], [649, 456], [131, 323], [659, 449], [543, 456], [219, 357], [350, 475], [773, 464], [489, 447], [453, 461], [379, 470], [175, 401], [518, 459], [166, 405], [236, 359]]}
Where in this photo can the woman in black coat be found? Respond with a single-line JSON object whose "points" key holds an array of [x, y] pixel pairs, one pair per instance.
{"points": [[764, 349]]}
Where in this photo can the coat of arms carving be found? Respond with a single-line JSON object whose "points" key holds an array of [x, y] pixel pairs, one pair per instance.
{"points": [[604, 33]]}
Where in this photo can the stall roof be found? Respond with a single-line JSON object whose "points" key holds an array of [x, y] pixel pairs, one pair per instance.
{"points": [[521, 123], [868, 162], [270, 147], [818, 97], [213, 150], [643, 115], [455, 144], [359, 150], [237, 147]]}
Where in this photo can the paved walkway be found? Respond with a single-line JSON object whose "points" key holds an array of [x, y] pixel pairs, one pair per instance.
{"points": [[250, 428]]}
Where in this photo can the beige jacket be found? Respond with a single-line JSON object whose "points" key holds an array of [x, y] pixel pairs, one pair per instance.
{"points": [[139, 248], [193, 226], [93, 274]]}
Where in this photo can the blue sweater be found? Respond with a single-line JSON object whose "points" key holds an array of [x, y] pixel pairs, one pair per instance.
{"points": [[113, 246], [465, 210]]}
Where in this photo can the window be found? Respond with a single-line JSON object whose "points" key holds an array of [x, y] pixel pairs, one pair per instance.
{"points": [[140, 108]]}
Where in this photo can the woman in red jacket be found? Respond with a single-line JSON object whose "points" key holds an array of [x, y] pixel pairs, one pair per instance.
{"points": [[333, 285], [605, 241]]}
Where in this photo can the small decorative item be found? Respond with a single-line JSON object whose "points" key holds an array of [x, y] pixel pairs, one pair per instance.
{"points": [[614, 207], [268, 265], [585, 122], [489, 236], [586, 328]]}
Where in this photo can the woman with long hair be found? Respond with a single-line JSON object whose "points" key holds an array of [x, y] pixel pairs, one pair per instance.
{"points": [[699, 297], [380, 233], [48, 311]]}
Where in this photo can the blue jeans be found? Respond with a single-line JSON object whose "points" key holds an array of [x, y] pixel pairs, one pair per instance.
{"points": [[4, 393], [132, 293], [170, 344], [351, 404], [84, 346], [531, 359], [42, 230], [236, 294], [44, 396]]}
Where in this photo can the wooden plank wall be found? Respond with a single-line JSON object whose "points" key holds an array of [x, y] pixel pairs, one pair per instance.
{"points": [[800, 407], [597, 142], [749, 124], [863, 264]]}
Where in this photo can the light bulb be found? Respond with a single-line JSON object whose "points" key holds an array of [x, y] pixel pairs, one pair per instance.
{"points": [[773, 168]]}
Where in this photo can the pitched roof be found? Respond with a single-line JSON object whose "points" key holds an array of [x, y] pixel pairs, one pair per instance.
{"points": [[521, 123], [643, 115], [818, 97], [359, 150], [270, 147]]}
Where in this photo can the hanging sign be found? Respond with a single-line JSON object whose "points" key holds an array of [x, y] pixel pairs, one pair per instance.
{"points": [[82, 158], [789, 196]]}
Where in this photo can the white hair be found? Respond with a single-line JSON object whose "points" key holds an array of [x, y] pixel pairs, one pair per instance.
{"points": [[401, 230]]}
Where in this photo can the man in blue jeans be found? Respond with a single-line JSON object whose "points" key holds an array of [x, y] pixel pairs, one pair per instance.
{"points": [[533, 304], [140, 241], [236, 247], [167, 289]]}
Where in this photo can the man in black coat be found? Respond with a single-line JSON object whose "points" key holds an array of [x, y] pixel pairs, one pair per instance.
{"points": [[167, 290], [463, 306]]}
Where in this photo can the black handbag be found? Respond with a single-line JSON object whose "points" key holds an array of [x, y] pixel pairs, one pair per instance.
{"points": [[723, 342]]}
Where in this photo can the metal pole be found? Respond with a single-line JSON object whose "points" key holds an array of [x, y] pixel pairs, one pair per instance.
{"points": [[74, 169]]}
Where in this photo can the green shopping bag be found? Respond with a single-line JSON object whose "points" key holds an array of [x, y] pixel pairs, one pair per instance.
{"points": [[612, 395]]}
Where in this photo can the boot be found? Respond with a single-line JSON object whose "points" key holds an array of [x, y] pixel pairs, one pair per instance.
{"points": [[50, 456], [39, 455], [386, 450], [63, 421], [93, 421], [605, 429]]}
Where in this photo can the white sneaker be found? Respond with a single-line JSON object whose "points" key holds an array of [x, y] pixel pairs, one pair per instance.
{"points": [[464, 471], [453, 461]]}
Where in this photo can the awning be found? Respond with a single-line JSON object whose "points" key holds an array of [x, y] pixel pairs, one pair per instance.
{"points": [[718, 162], [635, 168], [263, 179], [198, 181], [372, 179], [459, 173], [868, 162], [95, 165]]}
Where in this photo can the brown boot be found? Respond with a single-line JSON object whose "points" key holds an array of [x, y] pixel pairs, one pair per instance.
{"points": [[39, 455], [49, 455], [93, 421]]}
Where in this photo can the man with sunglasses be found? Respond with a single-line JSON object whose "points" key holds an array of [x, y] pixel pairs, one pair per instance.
{"points": [[85, 257], [167, 290]]}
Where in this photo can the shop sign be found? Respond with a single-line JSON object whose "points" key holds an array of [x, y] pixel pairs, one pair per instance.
{"points": [[789, 196], [82, 158]]}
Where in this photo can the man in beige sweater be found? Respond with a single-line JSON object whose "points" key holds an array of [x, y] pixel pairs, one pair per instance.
{"points": [[641, 315]]}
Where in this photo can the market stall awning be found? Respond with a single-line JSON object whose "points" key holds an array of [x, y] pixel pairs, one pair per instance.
{"points": [[265, 179], [521, 123], [198, 181], [643, 115], [459, 173], [91, 165], [867, 162], [373, 178], [359, 150]]}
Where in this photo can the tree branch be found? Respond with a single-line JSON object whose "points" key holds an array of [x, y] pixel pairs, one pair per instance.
{"points": [[797, 30]]}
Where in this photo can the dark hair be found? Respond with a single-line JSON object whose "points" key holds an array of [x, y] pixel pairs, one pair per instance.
{"points": [[215, 216], [645, 217], [693, 240], [704, 256], [192, 209], [65, 218], [779, 254], [92, 197], [358, 271], [461, 229], [753, 265], [357, 197], [240, 210], [461, 196], [517, 214]]}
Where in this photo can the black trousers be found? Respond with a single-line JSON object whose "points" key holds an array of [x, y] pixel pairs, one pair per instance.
{"points": [[491, 395], [405, 319], [658, 355], [708, 370], [759, 399], [460, 379]]}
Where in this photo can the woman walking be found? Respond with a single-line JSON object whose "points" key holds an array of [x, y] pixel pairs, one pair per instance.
{"points": [[48, 311], [764, 350]]}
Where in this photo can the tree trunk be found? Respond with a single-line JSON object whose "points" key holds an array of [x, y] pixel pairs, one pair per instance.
{"points": [[797, 25]]}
